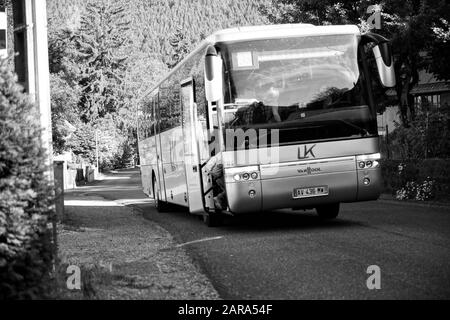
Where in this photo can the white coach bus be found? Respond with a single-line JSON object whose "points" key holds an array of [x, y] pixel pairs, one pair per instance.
{"points": [[267, 117]]}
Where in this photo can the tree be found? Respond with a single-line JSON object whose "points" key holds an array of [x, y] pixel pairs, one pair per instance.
{"points": [[82, 142], [142, 72], [90, 39], [64, 104], [26, 199], [180, 47], [64, 86], [101, 54], [88, 66], [440, 64], [427, 137]]}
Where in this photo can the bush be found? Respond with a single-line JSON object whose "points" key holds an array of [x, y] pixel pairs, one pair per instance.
{"points": [[417, 191], [428, 136], [417, 179], [26, 199]]}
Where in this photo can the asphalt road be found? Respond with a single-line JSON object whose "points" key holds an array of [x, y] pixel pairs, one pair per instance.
{"points": [[293, 255]]}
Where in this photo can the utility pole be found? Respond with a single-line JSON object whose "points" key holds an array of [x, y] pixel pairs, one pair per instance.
{"points": [[96, 149], [387, 142]]}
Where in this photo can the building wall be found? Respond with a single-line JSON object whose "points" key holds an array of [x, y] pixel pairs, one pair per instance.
{"points": [[27, 43], [3, 31], [10, 29], [6, 6]]}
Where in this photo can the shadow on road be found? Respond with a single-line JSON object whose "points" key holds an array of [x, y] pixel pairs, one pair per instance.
{"points": [[262, 221], [124, 187], [279, 220]]}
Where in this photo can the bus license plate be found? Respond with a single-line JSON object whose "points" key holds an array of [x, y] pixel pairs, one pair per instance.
{"points": [[310, 192]]}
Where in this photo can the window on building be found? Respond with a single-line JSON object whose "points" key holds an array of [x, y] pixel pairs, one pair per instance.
{"points": [[2, 39], [427, 102], [20, 40]]}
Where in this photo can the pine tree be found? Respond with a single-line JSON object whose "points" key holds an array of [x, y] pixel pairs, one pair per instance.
{"points": [[89, 40], [100, 44], [180, 48]]}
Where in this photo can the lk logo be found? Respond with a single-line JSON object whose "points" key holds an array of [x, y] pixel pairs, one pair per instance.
{"points": [[305, 153]]}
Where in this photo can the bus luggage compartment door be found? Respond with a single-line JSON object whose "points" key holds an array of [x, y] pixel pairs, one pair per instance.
{"points": [[307, 184]]}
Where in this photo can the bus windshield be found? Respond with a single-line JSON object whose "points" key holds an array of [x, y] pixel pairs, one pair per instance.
{"points": [[309, 88]]}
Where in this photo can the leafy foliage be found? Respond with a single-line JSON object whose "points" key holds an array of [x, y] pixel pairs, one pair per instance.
{"points": [[428, 136], [99, 42], [64, 103], [417, 191], [440, 65], [89, 41], [180, 48], [417, 179], [154, 23], [25, 196]]}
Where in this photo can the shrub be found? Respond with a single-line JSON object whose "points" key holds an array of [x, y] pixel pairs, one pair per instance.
{"points": [[427, 136], [417, 179], [26, 199], [417, 191]]}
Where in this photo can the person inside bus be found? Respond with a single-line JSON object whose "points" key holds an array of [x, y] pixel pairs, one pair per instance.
{"points": [[264, 105], [268, 93]]}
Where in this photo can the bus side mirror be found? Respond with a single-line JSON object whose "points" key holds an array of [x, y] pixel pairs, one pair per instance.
{"points": [[383, 57], [385, 64], [213, 75]]}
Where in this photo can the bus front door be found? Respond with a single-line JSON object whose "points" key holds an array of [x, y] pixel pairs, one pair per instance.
{"points": [[191, 150]]}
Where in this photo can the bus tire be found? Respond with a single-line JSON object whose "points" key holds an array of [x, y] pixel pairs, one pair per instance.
{"points": [[212, 219], [160, 205], [328, 212]]}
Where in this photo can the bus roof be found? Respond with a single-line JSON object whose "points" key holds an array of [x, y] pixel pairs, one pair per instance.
{"points": [[283, 30], [263, 32]]}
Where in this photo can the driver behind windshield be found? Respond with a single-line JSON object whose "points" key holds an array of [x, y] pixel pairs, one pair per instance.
{"points": [[267, 93], [264, 106]]}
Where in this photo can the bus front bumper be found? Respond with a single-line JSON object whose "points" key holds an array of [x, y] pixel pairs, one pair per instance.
{"points": [[343, 182]]}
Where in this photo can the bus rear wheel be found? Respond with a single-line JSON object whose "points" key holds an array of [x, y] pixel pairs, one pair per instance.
{"points": [[161, 206], [328, 212], [213, 219]]}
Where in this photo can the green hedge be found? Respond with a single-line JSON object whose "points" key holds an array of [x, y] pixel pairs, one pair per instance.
{"points": [[26, 199], [398, 173]]}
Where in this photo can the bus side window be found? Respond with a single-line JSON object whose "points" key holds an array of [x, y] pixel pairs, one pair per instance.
{"points": [[152, 116], [175, 107], [164, 110], [202, 105]]}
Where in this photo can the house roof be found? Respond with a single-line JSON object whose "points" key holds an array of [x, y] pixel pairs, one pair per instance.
{"points": [[434, 87]]}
